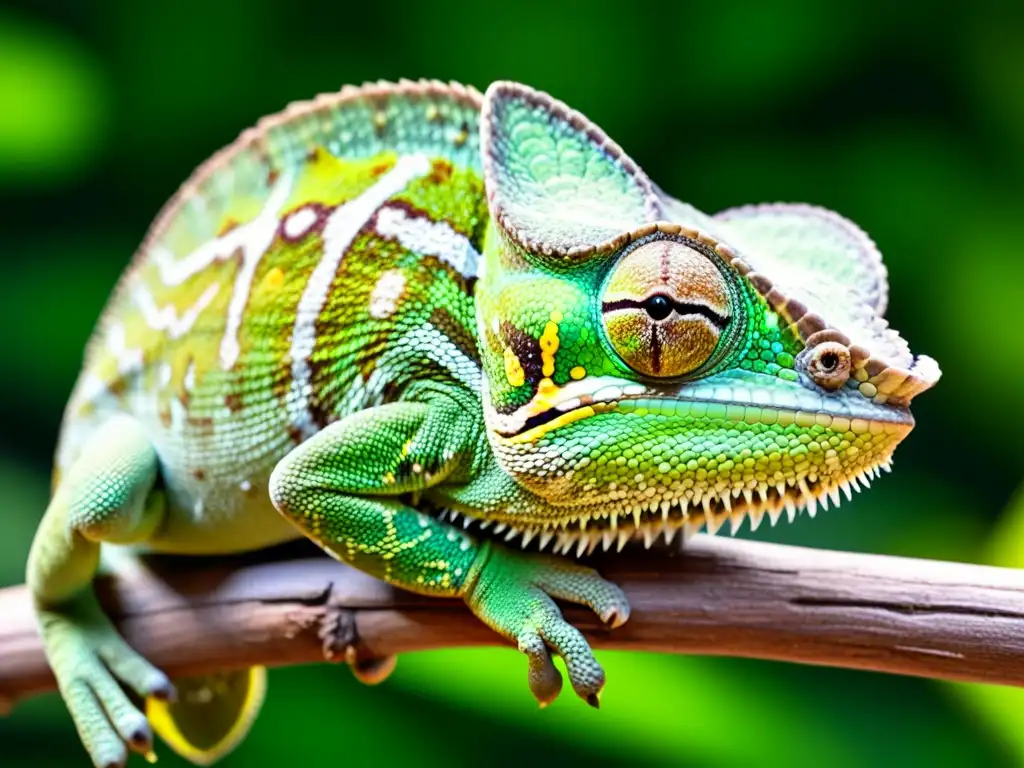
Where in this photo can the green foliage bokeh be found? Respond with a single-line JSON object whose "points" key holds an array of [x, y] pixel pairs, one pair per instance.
{"points": [[907, 118]]}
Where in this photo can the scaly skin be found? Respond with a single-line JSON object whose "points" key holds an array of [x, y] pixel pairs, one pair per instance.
{"points": [[400, 304]]}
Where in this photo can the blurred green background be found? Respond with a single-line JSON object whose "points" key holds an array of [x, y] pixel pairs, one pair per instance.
{"points": [[909, 120]]}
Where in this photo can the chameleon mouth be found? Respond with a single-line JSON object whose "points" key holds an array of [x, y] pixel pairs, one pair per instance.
{"points": [[725, 399], [614, 516]]}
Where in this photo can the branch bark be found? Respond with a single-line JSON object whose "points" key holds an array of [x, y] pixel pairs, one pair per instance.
{"points": [[722, 597]]}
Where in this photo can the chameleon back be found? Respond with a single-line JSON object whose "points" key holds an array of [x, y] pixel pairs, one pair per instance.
{"points": [[309, 270]]}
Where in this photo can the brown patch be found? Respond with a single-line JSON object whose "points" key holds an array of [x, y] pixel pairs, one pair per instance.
{"points": [[233, 402], [463, 339], [367, 366], [390, 392], [379, 169], [227, 226], [272, 176], [440, 172], [164, 414], [655, 351], [321, 212], [295, 434], [761, 283], [875, 367], [198, 474], [526, 348], [203, 424]]}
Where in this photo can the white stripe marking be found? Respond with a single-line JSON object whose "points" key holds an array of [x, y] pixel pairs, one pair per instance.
{"points": [[255, 244], [166, 318], [251, 238], [128, 360], [430, 238], [340, 230], [299, 222], [386, 293]]}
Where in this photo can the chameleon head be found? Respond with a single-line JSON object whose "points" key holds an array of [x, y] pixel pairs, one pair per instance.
{"points": [[650, 367]]}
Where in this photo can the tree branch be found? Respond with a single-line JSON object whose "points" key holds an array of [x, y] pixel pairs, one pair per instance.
{"points": [[722, 597]]}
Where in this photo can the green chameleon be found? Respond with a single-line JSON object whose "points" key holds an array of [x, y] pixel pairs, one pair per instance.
{"points": [[398, 305]]}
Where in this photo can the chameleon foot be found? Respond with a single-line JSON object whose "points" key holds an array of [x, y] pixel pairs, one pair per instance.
{"points": [[91, 662], [513, 594]]}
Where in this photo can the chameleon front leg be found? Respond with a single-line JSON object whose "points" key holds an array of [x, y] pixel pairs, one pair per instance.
{"points": [[105, 496], [340, 488]]}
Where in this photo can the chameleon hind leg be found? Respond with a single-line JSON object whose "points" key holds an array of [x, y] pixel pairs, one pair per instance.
{"points": [[105, 496], [340, 488]]}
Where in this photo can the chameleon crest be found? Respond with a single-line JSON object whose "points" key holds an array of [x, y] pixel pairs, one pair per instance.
{"points": [[399, 305]]}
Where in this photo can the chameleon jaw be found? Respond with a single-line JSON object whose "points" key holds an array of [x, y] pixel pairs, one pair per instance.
{"points": [[579, 517], [583, 532]]}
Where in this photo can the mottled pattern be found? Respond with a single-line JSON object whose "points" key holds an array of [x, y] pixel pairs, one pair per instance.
{"points": [[397, 306]]}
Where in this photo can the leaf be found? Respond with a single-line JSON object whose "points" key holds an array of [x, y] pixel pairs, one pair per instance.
{"points": [[62, 105]]}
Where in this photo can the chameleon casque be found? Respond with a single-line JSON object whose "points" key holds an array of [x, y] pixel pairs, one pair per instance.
{"points": [[443, 335]]}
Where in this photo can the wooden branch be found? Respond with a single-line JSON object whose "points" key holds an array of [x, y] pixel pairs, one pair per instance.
{"points": [[722, 597]]}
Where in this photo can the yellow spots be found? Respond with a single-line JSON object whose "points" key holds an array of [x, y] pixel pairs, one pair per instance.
{"points": [[226, 225], [513, 369], [549, 344], [329, 180], [380, 120], [578, 372], [547, 390], [433, 112], [273, 280]]}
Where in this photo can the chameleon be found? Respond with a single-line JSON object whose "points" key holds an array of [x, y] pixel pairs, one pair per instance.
{"points": [[459, 341]]}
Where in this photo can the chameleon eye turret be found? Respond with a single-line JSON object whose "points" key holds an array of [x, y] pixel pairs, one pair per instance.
{"points": [[665, 307], [829, 364]]}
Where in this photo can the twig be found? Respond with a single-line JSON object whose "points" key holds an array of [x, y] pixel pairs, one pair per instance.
{"points": [[722, 597]]}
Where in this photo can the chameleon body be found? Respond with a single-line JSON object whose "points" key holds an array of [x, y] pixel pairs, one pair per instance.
{"points": [[399, 305]]}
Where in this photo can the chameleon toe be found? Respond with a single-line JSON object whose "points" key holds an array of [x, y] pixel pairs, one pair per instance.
{"points": [[578, 584], [85, 653], [585, 674], [513, 594], [544, 678]]}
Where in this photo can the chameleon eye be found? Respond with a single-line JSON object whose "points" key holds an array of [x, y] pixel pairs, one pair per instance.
{"points": [[829, 364], [665, 307]]}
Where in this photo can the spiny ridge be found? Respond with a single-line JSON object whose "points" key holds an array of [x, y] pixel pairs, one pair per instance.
{"points": [[663, 520]]}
